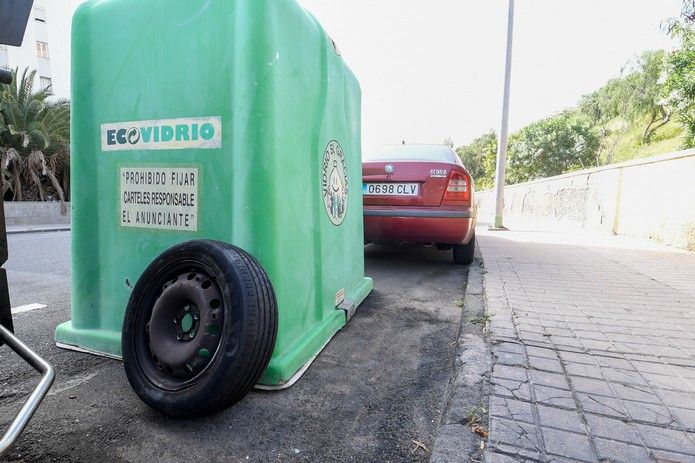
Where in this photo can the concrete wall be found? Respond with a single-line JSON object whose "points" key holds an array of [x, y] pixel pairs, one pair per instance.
{"points": [[36, 213], [650, 198]]}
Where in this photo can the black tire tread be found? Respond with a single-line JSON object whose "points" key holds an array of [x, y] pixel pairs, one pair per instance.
{"points": [[229, 380], [464, 253]]}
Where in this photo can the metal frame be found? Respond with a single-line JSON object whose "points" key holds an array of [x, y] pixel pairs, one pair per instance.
{"points": [[27, 411]]}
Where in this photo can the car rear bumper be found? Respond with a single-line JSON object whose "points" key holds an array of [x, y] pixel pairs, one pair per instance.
{"points": [[418, 225], [419, 213]]}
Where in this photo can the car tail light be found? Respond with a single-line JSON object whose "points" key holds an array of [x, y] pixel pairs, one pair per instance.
{"points": [[458, 188]]}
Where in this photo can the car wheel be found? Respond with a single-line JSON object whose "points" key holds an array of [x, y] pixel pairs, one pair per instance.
{"points": [[199, 328], [463, 253]]}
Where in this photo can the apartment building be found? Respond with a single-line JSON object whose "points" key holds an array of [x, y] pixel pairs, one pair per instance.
{"points": [[46, 45]]}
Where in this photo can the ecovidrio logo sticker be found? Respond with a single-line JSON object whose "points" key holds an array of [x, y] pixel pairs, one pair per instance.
{"points": [[164, 134], [334, 182]]}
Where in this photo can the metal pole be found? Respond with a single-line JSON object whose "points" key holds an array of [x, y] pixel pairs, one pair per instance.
{"points": [[502, 148], [27, 411]]}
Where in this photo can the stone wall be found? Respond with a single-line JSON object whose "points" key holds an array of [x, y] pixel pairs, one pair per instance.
{"points": [[650, 198], [36, 213]]}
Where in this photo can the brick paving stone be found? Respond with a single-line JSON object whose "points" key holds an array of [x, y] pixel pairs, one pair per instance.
{"points": [[593, 387], [494, 457], [508, 358], [521, 454], [569, 444], [510, 372], [639, 393], [510, 347], [545, 364], [551, 396], [517, 410], [544, 378], [620, 452], [594, 348], [511, 388], [562, 419], [613, 362], [613, 429], [677, 399], [662, 456], [685, 416], [582, 370], [602, 405], [543, 352], [624, 376], [669, 382], [576, 357], [516, 434], [666, 439], [649, 413]]}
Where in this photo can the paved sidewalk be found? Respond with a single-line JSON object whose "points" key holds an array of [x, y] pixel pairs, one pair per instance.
{"points": [[594, 349]]}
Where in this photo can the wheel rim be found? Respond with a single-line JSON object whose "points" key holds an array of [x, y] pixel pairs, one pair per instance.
{"points": [[182, 332]]}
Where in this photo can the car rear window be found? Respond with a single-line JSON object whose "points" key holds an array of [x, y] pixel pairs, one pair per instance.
{"points": [[409, 153]]}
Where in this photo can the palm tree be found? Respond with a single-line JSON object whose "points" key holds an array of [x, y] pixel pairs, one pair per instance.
{"points": [[34, 141]]}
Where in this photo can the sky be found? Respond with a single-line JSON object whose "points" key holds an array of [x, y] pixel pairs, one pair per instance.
{"points": [[59, 14], [432, 70]]}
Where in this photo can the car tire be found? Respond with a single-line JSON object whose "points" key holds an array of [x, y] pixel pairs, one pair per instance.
{"points": [[463, 253], [199, 328]]}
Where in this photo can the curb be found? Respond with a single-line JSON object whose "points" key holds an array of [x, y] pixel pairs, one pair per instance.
{"points": [[18, 231], [467, 399]]}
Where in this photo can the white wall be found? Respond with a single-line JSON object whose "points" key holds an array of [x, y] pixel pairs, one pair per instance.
{"points": [[650, 198]]}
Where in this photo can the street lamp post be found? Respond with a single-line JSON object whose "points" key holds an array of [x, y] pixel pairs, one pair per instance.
{"points": [[502, 148]]}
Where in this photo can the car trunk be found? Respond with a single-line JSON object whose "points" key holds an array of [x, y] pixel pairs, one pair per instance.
{"points": [[395, 189]]}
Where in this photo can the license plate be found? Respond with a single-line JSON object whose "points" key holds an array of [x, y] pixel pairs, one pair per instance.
{"points": [[391, 189]]}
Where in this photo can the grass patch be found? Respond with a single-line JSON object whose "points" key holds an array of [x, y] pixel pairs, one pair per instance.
{"points": [[626, 144], [482, 320]]}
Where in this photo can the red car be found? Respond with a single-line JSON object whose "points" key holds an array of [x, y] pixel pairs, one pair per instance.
{"points": [[419, 194]]}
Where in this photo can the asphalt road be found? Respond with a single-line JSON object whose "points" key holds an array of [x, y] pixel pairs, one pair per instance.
{"points": [[378, 386]]}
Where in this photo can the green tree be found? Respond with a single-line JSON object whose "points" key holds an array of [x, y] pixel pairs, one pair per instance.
{"points": [[644, 92], [552, 146], [635, 98], [604, 104], [637, 92], [479, 157], [34, 141], [680, 69]]}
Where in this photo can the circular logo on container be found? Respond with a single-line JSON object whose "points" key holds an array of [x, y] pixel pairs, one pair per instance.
{"points": [[334, 182], [133, 135]]}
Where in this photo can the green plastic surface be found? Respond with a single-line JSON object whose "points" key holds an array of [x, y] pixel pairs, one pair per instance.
{"points": [[282, 92]]}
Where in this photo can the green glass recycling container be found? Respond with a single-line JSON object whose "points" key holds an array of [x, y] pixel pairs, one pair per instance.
{"points": [[229, 120]]}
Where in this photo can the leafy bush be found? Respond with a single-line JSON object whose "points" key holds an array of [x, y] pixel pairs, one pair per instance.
{"points": [[480, 157], [552, 146], [680, 81]]}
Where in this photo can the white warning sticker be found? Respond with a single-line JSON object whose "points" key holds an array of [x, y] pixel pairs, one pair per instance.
{"points": [[163, 198]]}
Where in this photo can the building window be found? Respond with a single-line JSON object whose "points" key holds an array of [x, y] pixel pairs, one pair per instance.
{"points": [[4, 59], [40, 14], [45, 82], [42, 49]]}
